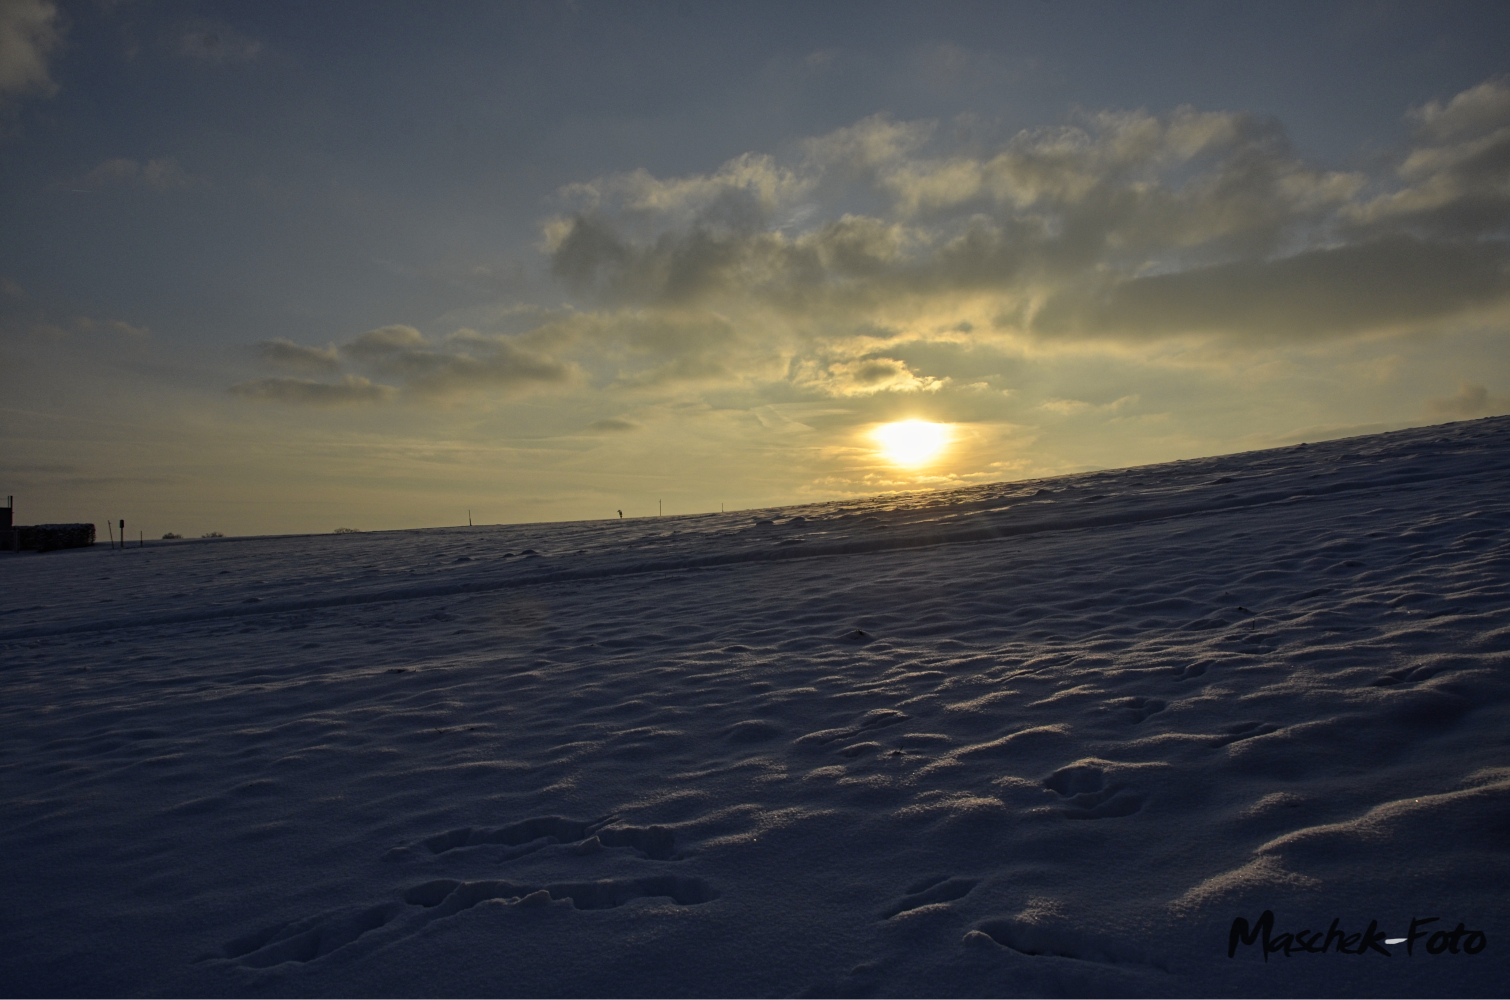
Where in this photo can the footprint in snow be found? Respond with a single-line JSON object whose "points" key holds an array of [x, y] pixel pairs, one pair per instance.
{"points": [[1089, 795], [505, 843], [306, 940], [313, 938], [931, 891], [1136, 710], [1243, 731], [448, 896], [1053, 940], [877, 718], [1190, 671], [752, 731]]}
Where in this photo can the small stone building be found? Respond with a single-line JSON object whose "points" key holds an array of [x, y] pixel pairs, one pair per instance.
{"points": [[41, 537]]}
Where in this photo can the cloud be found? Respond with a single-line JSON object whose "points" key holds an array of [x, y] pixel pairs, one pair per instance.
{"points": [[1457, 175], [351, 389], [670, 346], [1121, 189], [289, 356], [116, 326], [870, 145], [836, 273], [742, 193], [385, 341], [1393, 282], [1075, 407], [1322, 432], [474, 361], [159, 175], [695, 265], [28, 35], [1476, 110], [64, 330], [464, 362], [1471, 400], [1119, 225], [216, 44], [613, 425], [865, 377]]}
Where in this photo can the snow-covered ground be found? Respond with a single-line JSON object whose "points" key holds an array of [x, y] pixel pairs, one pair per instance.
{"points": [[1042, 738]]}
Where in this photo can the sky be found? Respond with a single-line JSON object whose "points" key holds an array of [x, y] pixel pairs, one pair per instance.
{"points": [[283, 268]]}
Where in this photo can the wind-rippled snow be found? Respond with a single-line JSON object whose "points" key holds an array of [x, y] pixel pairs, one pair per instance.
{"points": [[1019, 739]]}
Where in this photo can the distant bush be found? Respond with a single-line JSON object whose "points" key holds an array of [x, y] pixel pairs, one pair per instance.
{"points": [[348, 531], [172, 534], [212, 534]]}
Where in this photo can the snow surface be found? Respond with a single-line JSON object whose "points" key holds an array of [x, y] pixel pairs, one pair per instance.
{"points": [[1042, 738]]}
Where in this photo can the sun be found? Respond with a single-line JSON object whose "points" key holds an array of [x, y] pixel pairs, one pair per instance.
{"points": [[912, 442]]}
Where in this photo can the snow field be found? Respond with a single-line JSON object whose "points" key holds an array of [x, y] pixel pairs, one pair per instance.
{"points": [[1021, 739]]}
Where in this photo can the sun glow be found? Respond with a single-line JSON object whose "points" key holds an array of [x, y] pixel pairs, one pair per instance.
{"points": [[912, 442]]}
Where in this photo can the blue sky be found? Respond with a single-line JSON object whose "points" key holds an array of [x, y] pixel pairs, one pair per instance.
{"points": [[279, 267]]}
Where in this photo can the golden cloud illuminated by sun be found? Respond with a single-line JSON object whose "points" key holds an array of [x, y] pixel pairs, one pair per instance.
{"points": [[912, 442]]}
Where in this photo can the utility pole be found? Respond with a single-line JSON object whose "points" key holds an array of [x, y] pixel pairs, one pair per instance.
{"points": [[658, 511]]}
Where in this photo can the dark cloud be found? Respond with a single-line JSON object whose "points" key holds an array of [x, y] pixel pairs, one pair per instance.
{"points": [[214, 43], [864, 377], [661, 347], [613, 425], [350, 390], [587, 250], [79, 330], [1471, 400], [680, 370], [164, 174], [385, 341], [1475, 111], [684, 268], [678, 268], [1457, 177], [29, 33], [493, 362], [1052, 204], [1124, 224], [43, 468], [465, 361], [289, 356], [1391, 282], [116, 327], [1118, 226]]}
